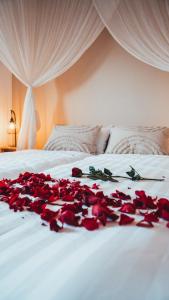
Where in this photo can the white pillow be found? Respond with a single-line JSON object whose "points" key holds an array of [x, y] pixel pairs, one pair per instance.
{"points": [[102, 139], [139, 140], [73, 138]]}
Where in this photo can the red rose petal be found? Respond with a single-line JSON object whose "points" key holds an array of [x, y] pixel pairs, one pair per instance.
{"points": [[95, 186], [128, 208], [163, 203], [90, 223], [97, 210], [92, 199], [75, 207], [100, 194], [165, 214], [48, 215], [115, 202], [53, 198], [68, 198], [145, 224], [121, 195], [68, 217], [151, 217], [143, 201], [103, 219], [113, 217], [140, 194], [125, 220], [54, 226]]}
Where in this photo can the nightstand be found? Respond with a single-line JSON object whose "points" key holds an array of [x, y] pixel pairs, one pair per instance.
{"points": [[7, 149]]}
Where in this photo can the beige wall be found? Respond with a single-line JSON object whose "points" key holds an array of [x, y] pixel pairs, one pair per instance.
{"points": [[107, 85], [5, 103]]}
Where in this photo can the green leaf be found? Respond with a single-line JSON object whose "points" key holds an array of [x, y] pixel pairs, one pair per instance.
{"points": [[99, 172], [107, 172], [92, 170], [131, 173], [136, 178]]}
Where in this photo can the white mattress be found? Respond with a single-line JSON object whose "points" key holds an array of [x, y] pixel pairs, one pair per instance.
{"points": [[13, 163], [124, 263]]}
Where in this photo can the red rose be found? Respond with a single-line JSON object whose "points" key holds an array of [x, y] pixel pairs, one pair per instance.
{"points": [[76, 172]]}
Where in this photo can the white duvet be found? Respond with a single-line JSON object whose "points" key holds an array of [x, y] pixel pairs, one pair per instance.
{"points": [[13, 163], [112, 263]]}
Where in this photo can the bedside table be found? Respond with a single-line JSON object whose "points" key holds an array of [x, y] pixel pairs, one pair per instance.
{"points": [[7, 149]]}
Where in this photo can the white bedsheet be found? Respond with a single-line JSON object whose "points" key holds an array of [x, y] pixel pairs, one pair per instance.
{"points": [[113, 263], [13, 163]]}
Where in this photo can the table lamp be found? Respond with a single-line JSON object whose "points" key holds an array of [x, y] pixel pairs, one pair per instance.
{"points": [[12, 126]]}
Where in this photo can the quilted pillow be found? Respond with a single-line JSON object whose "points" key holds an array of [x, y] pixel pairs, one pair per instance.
{"points": [[73, 138], [102, 139], [139, 140]]}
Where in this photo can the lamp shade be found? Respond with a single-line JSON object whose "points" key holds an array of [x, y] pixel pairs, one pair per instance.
{"points": [[12, 127]]}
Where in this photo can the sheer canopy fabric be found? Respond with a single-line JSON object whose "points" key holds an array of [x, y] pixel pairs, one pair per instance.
{"points": [[141, 27], [41, 39]]}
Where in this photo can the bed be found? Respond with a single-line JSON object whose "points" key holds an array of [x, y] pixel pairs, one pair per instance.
{"points": [[114, 262], [13, 163]]}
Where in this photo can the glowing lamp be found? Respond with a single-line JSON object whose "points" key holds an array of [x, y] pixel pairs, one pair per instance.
{"points": [[12, 126]]}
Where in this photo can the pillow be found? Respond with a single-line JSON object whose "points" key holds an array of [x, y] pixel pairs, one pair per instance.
{"points": [[102, 139], [139, 140], [73, 138]]}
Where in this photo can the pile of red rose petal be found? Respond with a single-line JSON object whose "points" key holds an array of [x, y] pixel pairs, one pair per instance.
{"points": [[79, 205]]}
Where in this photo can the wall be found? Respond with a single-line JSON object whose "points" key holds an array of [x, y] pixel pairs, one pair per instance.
{"points": [[5, 103], [107, 85]]}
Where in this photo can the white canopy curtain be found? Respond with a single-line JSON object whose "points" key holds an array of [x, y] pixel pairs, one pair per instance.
{"points": [[141, 27], [41, 39]]}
